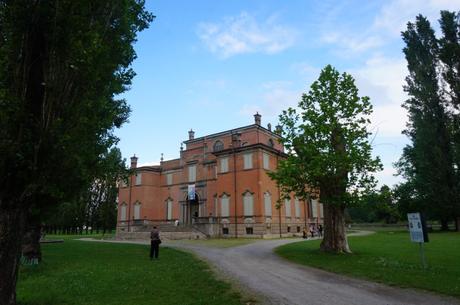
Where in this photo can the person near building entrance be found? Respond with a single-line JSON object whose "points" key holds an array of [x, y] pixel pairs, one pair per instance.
{"points": [[312, 231], [304, 233], [320, 231], [155, 242]]}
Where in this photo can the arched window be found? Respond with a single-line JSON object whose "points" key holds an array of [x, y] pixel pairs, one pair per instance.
{"points": [[225, 206], [248, 203], [137, 210], [218, 145], [123, 209], [271, 143], [268, 204], [287, 204], [169, 209]]}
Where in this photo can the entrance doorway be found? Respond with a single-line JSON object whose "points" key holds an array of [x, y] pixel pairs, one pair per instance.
{"points": [[192, 210]]}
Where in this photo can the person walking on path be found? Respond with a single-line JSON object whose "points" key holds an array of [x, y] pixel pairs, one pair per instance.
{"points": [[304, 233], [320, 230], [155, 242]]}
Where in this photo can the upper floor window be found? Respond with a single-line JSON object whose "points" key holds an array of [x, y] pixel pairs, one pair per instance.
{"points": [[268, 204], [224, 165], [271, 143], [266, 160], [247, 160], [224, 206], [218, 145], [248, 203], [169, 178], [138, 179], [287, 204], [192, 173]]}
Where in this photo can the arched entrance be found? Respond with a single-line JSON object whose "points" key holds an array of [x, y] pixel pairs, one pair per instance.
{"points": [[191, 209]]}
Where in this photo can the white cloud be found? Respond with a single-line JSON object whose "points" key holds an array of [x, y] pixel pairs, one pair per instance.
{"points": [[276, 97], [394, 15], [352, 44], [243, 34], [382, 79]]}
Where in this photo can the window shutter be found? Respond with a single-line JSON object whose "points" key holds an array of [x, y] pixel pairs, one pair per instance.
{"points": [[192, 173], [266, 162], [224, 211], [248, 203], [297, 207], [138, 179], [268, 204], [287, 204]]}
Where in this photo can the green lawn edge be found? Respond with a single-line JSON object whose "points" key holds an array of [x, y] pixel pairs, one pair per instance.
{"points": [[390, 258]]}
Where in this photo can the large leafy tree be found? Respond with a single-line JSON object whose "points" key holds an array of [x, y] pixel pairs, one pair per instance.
{"points": [[62, 64], [428, 163], [328, 150]]}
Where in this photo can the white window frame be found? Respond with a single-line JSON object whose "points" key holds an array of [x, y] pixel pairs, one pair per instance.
{"points": [[169, 178], [287, 205], [248, 203], [137, 210], [169, 209], [138, 178], [266, 160], [192, 173], [225, 206], [247, 160], [123, 212], [224, 165], [297, 207], [268, 204]]}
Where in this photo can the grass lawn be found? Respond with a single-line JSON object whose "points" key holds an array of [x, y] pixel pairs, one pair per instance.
{"points": [[390, 258], [77, 272]]}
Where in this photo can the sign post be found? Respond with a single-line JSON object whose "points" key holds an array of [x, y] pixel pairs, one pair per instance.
{"points": [[418, 232]]}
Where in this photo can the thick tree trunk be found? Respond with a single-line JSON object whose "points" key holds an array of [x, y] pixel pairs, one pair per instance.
{"points": [[335, 238], [444, 225], [31, 244], [11, 232]]}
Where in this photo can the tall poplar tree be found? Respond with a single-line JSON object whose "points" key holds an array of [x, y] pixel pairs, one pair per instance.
{"points": [[328, 150], [428, 162], [62, 64]]}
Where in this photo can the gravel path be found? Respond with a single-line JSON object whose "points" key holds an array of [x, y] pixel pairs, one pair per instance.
{"points": [[278, 281]]}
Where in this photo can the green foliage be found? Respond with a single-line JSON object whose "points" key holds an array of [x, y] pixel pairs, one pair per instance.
{"points": [[376, 207], [77, 272], [430, 162], [327, 142], [389, 257]]}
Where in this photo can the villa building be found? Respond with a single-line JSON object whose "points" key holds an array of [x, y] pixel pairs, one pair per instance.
{"points": [[219, 186]]}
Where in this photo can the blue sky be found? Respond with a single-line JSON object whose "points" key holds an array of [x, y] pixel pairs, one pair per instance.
{"points": [[210, 65]]}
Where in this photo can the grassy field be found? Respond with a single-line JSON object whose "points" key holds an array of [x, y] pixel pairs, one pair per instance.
{"points": [[389, 257], [77, 272]]}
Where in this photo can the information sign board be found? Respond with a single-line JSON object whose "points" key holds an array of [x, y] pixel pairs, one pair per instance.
{"points": [[416, 228]]}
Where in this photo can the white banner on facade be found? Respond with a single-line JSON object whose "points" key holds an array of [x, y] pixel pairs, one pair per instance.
{"points": [[191, 192]]}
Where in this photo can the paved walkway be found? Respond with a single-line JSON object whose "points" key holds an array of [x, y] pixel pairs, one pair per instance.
{"points": [[278, 281]]}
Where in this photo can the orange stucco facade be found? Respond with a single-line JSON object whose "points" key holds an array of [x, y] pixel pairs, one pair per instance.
{"points": [[219, 180]]}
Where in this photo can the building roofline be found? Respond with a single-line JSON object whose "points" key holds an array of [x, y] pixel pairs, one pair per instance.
{"points": [[214, 135], [248, 147]]}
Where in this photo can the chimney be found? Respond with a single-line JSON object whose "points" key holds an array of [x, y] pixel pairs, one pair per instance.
{"points": [[278, 129], [134, 161], [257, 118], [191, 134]]}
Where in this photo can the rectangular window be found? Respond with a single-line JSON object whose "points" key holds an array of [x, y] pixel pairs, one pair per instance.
{"points": [[137, 211], [224, 206], [248, 203], [314, 208], [287, 204], [169, 179], [268, 204], [247, 161], [138, 179], [192, 173], [123, 212], [225, 231], [224, 165], [249, 231], [289, 229], [297, 207], [266, 161], [298, 229], [169, 206]]}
